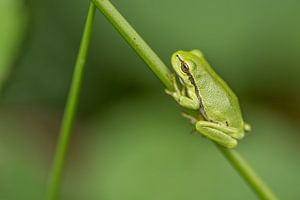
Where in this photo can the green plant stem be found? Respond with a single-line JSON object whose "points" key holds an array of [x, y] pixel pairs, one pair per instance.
{"points": [[70, 109], [136, 42], [249, 175], [163, 73]]}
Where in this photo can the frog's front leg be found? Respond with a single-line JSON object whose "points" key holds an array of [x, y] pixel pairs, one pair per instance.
{"points": [[217, 133], [182, 98]]}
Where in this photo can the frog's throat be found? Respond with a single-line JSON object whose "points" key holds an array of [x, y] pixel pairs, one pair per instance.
{"points": [[202, 110]]}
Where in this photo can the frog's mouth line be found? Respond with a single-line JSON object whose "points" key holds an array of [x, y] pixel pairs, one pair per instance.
{"points": [[192, 81]]}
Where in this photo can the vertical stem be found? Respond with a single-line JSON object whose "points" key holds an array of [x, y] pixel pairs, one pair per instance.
{"points": [[70, 109], [246, 172]]}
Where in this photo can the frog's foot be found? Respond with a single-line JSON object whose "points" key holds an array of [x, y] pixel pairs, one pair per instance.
{"points": [[218, 133], [176, 95], [191, 118]]}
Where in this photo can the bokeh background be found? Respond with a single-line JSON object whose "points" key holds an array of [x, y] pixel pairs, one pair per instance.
{"points": [[130, 141]]}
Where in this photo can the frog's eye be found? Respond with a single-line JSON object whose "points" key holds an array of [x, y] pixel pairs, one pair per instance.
{"points": [[184, 67]]}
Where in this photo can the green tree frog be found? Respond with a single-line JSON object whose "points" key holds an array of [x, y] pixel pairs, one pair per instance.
{"points": [[219, 117]]}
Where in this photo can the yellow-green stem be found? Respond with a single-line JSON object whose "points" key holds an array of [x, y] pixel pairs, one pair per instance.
{"points": [[246, 172], [70, 109]]}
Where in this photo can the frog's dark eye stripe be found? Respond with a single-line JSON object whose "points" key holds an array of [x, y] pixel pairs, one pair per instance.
{"points": [[197, 92], [179, 58], [184, 67]]}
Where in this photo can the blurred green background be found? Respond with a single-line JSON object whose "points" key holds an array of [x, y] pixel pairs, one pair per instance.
{"points": [[130, 141]]}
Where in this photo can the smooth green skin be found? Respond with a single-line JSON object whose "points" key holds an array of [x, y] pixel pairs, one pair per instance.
{"points": [[220, 115]]}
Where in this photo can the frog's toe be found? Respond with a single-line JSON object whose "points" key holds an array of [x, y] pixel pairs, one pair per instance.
{"points": [[247, 127], [169, 92], [191, 118]]}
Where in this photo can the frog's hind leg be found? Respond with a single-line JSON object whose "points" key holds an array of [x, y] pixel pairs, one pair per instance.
{"points": [[217, 133]]}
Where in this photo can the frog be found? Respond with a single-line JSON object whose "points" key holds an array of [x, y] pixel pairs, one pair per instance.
{"points": [[219, 115]]}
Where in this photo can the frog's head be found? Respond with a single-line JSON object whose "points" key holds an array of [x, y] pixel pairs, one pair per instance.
{"points": [[185, 64]]}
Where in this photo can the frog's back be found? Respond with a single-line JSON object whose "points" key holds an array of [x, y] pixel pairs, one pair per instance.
{"points": [[219, 101]]}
